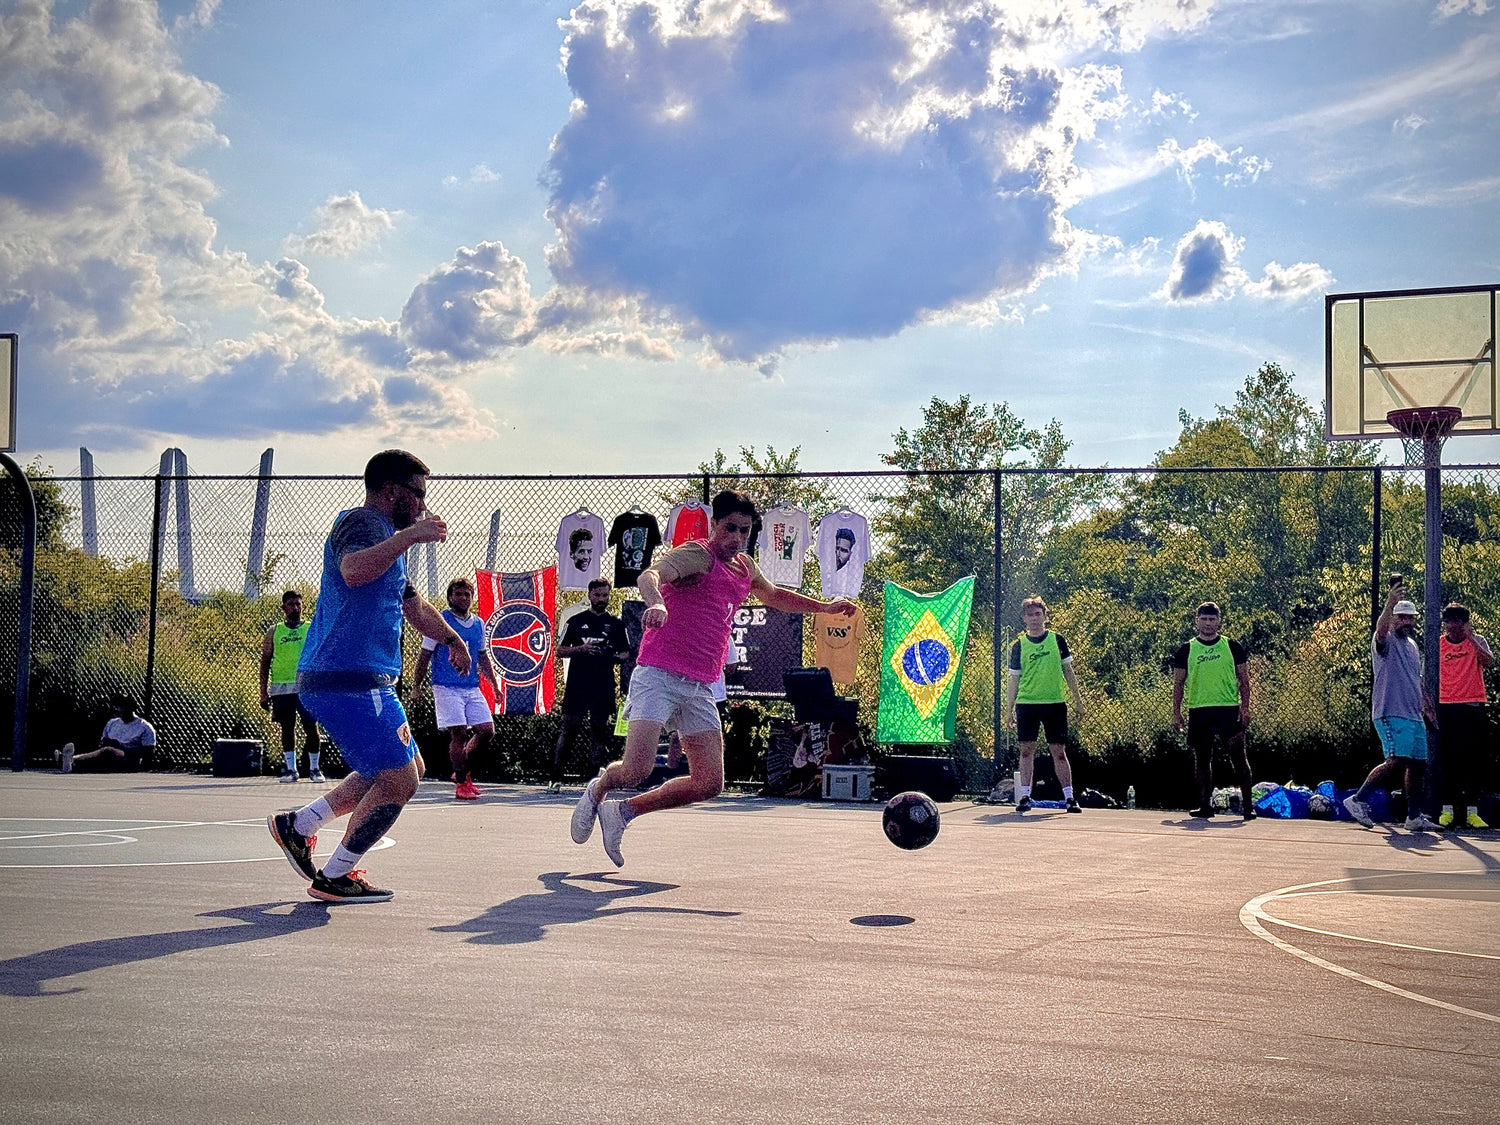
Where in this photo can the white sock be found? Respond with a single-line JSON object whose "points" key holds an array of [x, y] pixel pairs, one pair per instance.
{"points": [[291, 760], [1024, 791], [1067, 792], [341, 862], [310, 819], [312, 762]]}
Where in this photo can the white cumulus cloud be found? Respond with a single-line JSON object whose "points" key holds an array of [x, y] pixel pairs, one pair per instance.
{"points": [[1206, 267], [136, 321], [768, 174], [345, 223]]}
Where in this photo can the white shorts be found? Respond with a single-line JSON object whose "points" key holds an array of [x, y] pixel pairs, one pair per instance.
{"points": [[460, 707], [686, 706]]}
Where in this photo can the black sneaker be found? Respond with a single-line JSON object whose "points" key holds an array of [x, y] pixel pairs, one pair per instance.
{"points": [[1023, 805], [288, 775], [1204, 813], [347, 888], [1072, 805], [1250, 814], [298, 848]]}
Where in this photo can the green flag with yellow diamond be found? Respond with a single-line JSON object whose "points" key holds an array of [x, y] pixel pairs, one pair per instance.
{"points": [[921, 662]]}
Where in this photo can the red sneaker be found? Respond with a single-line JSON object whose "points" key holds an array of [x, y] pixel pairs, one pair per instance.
{"points": [[466, 791]]}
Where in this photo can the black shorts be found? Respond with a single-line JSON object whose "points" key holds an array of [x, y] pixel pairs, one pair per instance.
{"points": [[1032, 717], [600, 707], [287, 708], [1204, 724]]}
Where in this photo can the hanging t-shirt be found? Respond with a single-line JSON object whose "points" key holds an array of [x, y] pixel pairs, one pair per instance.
{"points": [[843, 550], [580, 542], [688, 521], [783, 544], [635, 535], [836, 641]]}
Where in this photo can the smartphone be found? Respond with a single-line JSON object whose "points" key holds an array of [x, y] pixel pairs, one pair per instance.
{"points": [[1396, 580]]}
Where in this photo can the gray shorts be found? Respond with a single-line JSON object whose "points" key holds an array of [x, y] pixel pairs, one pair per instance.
{"points": [[686, 706]]}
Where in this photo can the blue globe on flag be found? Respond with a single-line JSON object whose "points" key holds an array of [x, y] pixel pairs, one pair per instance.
{"points": [[926, 661]]}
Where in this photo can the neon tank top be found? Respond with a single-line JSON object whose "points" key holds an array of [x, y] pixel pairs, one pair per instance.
{"points": [[700, 618], [1041, 670], [286, 650], [1211, 679], [1460, 679]]}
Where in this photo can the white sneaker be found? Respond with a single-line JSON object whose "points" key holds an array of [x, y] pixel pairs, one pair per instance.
{"points": [[1359, 811], [612, 824], [65, 758], [1420, 823], [585, 812]]}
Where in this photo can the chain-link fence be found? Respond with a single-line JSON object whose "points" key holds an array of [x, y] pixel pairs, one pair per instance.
{"points": [[163, 587]]}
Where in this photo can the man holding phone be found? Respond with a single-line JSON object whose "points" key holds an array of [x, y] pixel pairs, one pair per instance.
{"points": [[1398, 705]]}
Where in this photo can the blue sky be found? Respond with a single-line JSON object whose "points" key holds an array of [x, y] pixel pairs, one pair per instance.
{"points": [[518, 236]]}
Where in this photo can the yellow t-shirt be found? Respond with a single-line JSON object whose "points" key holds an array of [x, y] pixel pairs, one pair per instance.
{"points": [[836, 641]]}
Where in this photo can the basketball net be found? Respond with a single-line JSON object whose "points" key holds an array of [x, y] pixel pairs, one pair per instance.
{"points": [[1418, 425]]}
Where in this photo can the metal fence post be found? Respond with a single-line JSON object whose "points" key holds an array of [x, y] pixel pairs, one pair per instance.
{"points": [[707, 484], [1377, 603], [997, 658], [157, 528], [26, 502]]}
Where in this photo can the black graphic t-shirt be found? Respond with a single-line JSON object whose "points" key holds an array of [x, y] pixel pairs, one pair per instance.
{"points": [[592, 675], [636, 535]]}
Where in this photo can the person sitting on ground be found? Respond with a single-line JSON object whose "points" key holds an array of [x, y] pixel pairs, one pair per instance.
{"points": [[124, 744]]}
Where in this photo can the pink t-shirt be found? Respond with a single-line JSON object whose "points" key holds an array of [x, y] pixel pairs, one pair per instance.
{"points": [[700, 618]]}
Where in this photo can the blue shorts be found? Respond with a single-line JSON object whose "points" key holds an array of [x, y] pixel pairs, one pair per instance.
{"points": [[368, 727], [1402, 738]]}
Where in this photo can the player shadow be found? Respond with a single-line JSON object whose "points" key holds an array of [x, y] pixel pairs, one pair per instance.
{"points": [[1035, 816], [26, 975], [1205, 824], [528, 917], [1491, 863]]}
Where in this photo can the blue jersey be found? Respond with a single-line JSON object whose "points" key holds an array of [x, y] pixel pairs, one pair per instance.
{"points": [[443, 672], [354, 642]]}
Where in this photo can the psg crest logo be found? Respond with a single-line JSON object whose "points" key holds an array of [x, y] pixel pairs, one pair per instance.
{"points": [[520, 640]]}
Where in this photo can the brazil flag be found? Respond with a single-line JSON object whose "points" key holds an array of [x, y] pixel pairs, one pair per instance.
{"points": [[921, 662]]}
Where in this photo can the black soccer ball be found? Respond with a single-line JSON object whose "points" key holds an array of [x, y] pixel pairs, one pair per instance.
{"points": [[910, 820]]}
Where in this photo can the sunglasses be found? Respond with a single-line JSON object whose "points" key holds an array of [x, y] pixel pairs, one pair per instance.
{"points": [[419, 493]]}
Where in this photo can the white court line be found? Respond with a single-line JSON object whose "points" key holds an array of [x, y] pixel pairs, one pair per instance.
{"points": [[141, 826], [1269, 917], [1253, 911]]}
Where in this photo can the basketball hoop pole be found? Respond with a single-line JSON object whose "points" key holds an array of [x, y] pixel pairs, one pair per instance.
{"points": [[1431, 425]]}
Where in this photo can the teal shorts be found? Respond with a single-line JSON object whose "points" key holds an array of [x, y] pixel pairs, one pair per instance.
{"points": [[1402, 738]]}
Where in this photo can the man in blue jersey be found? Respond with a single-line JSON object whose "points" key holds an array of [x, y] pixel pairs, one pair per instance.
{"points": [[458, 702], [347, 674]]}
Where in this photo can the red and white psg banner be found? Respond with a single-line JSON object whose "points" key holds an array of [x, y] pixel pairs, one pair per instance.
{"points": [[518, 611]]}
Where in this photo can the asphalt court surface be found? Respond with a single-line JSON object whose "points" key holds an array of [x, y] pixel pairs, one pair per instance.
{"points": [[755, 961]]}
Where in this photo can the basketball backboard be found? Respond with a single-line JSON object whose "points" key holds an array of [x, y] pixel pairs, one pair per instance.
{"points": [[8, 392], [1410, 348]]}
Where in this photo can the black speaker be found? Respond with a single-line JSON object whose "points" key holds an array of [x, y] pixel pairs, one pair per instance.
{"points": [[236, 757], [934, 776]]}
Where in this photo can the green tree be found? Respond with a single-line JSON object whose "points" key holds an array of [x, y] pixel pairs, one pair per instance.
{"points": [[940, 524]]}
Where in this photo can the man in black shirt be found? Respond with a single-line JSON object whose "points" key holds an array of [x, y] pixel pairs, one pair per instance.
{"points": [[593, 642]]}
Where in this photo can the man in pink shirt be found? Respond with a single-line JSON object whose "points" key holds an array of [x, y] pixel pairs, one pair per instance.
{"points": [[691, 596]]}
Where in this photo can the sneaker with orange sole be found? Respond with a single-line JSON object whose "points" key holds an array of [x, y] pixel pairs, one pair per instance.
{"points": [[353, 887]]}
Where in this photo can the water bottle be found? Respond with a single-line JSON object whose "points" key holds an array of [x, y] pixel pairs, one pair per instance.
{"points": [[1130, 797]]}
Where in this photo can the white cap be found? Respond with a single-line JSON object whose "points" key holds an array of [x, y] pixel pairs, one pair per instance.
{"points": [[1404, 607]]}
